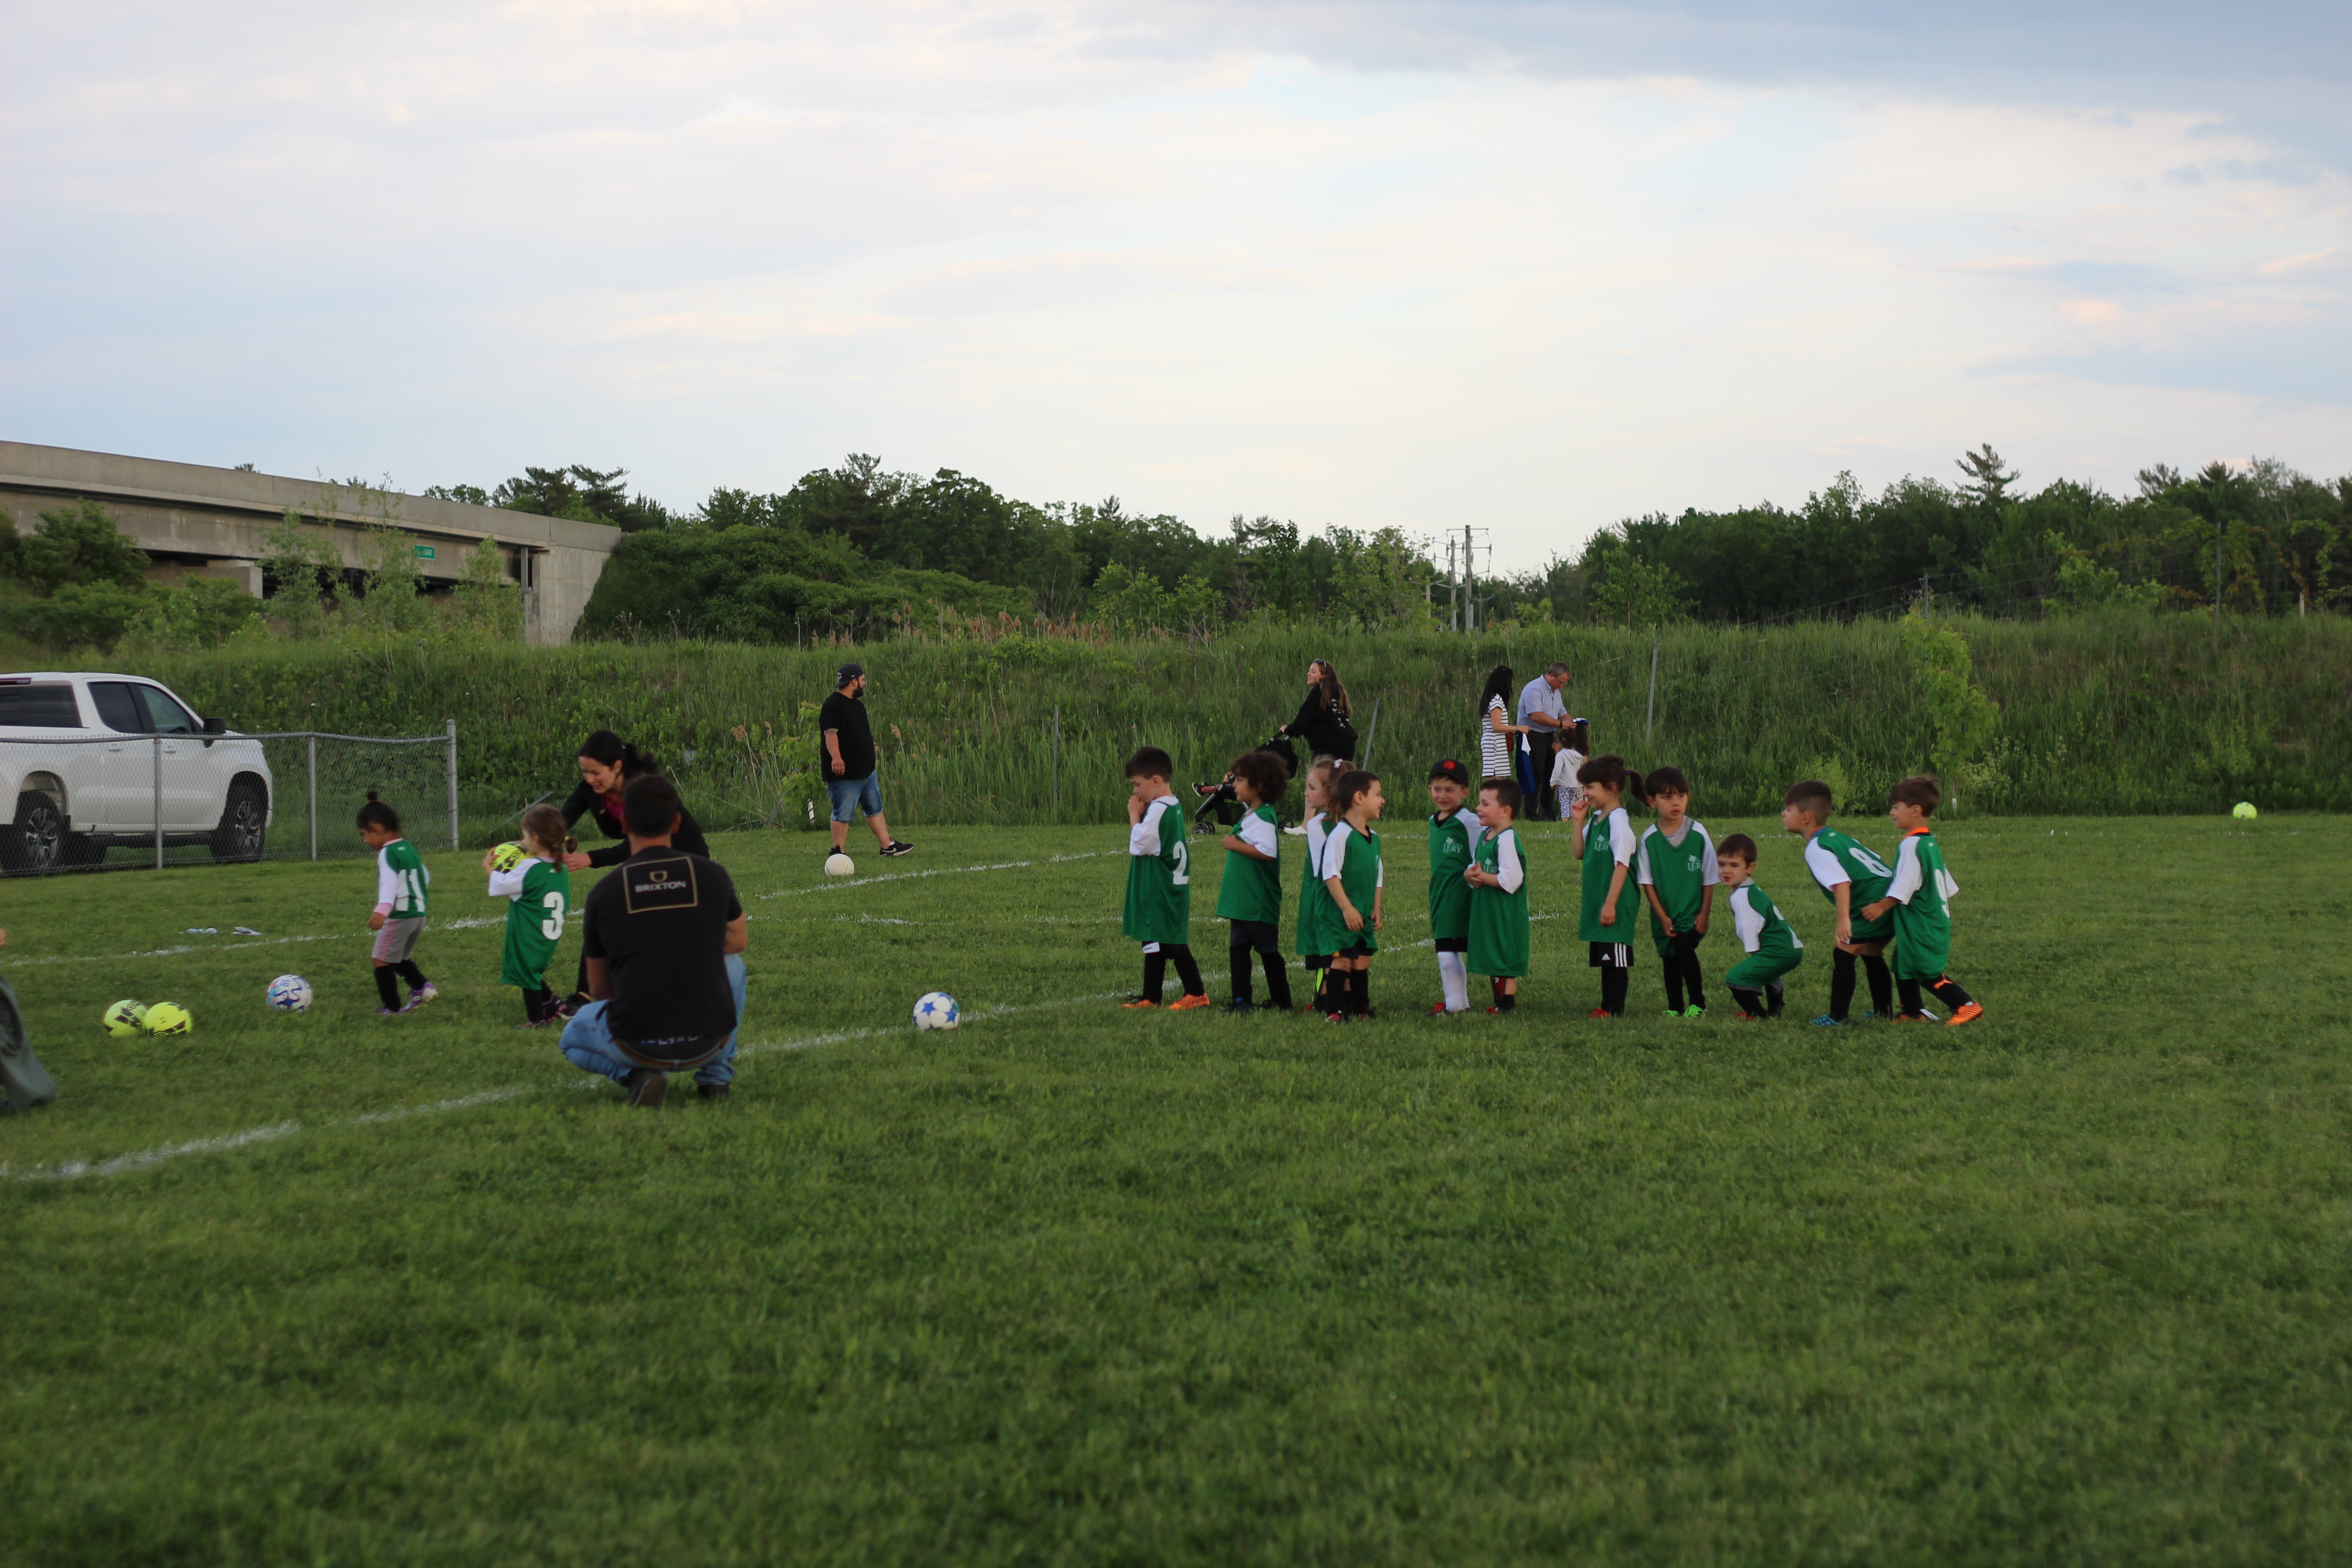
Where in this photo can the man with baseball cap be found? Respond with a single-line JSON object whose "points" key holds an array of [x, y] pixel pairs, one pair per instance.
{"points": [[846, 759]]}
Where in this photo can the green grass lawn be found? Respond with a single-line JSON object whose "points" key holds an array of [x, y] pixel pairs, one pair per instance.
{"points": [[1076, 1284]]}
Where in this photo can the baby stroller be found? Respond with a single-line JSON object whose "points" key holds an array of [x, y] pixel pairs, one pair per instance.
{"points": [[1221, 808]]}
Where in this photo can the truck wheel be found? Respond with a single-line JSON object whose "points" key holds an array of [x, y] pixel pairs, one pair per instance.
{"points": [[245, 821], [36, 842]]}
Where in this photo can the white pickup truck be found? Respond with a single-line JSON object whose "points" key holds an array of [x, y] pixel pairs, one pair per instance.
{"points": [[78, 760]]}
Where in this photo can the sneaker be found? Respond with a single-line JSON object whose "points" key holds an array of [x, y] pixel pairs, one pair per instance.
{"points": [[1298, 832], [712, 1091], [1673, 1012], [1274, 1007], [1139, 1002], [534, 1023], [1238, 1005], [897, 846], [1967, 1014], [1750, 1017], [1826, 1022], [572, 1004], [1335, 1017], [1912, 1019], [421, 995], [647, 1087], [1500, 1010], [1600, 1013], [390, 1012], [1693, 1011], [1186, 1004]]}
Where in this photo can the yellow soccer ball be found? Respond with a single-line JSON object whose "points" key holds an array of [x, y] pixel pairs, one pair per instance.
{"points": [[126, 1018], [168, 1018], [507, 856], [2243, 811]]}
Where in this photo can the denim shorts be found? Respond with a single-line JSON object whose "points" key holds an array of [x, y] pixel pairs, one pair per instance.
{"points": [[854, 798]]}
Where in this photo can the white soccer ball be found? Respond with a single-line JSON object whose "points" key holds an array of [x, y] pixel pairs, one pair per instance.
{"points": [[291, 993], [937, 1010], [839, 865]]}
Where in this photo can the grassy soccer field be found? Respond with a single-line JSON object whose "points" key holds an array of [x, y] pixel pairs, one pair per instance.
{"points": [[1074, 1284]]}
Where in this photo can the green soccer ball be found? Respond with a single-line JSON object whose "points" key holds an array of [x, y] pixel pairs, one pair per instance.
{"points": [[2243, 811], [507, 856], [126, 1018], [168, 1018]]}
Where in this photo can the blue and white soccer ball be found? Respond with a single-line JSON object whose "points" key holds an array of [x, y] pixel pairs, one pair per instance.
{"points": [[937, 1010], [291, 993]]}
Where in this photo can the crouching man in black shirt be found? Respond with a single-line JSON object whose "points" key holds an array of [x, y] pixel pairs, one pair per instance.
{"points": [[665, 945]]}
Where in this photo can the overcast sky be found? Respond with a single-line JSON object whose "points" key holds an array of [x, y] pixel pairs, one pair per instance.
{"points": [[1532, 267]]}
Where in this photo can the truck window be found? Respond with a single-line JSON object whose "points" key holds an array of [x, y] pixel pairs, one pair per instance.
{"points": [[165, 715], [117, 709], [38, 708]]}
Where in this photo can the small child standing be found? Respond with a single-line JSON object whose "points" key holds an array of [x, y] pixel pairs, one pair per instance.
{"points": [[1919, 897], [1612, 901], [1850, 878], [1772, 948], [1497, 881], [1676, 868], [401, 880], [1353, 876], [1450, 833], [1565, 791], [1251, 893], [540, 889], [1314, 899], [1159, 911]]}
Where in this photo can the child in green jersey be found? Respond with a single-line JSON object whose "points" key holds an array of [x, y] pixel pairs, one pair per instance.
{"points": [[1772, 948], [1450, 832], [1848, 877], [1159, 911], [1497, 879], [1251, 894], [1919, 897], [1314, 899], [1354, 877], [1613, 899], [401, 880], [539, 890], [1675, 865]]}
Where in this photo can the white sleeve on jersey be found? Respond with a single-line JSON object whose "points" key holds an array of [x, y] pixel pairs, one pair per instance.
{"points": [[1143, 838], [1335, 852], [1642, 858], [1508, 871], [1826, 868], [1944, 884], [387, 880], [1908, 877], [1260, 835], [509, 884], [1710, 876], [1318, 828], [1621, 837], [1746, 917], [1381, 872]]}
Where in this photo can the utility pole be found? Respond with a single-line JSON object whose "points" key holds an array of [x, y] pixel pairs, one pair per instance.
{"points": [[1469, 584], [1927, 596]]}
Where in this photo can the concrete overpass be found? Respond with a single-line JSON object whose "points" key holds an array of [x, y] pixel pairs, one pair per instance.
{"points": [[194, 520]]}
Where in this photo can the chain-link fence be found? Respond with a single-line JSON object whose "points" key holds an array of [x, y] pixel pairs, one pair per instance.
{"points": [[174, 797]]}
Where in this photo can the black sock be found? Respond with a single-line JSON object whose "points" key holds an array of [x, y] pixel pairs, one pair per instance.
{"points": [[1694, 982], [1747, 1001], [1277, 980], [1505, 1000], [1155, 975], [1776, 996], [539, 1006], [1238, 954], [1363, 993], [1882, 983], [1188, 970], [385, 986], [1322, 999], [410, 973], [1842, 978], [1911, 1008], [1673, 969], [1948, 990], [1613, 984]]}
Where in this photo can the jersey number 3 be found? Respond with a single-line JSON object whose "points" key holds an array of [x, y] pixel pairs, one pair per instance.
{"points": [[551, 928]]}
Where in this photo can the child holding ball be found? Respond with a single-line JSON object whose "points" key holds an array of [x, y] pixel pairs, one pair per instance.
{"points": [[540, 892]]}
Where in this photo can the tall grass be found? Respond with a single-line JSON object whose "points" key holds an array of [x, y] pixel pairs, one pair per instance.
{"points": [[2098, 714]]}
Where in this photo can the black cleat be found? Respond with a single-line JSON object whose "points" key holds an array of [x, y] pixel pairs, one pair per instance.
{"points": [[897, 846], [1241, 1005], [646, 1088]]}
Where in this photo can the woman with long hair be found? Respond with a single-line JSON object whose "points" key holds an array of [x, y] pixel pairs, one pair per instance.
{"points": [[1323, 723], [1497, 736], [607, 763]]}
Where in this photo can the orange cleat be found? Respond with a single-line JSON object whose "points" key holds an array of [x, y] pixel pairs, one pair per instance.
{"points": [[1140, 1002], [1965, 1015], [1186, 1004], [1910, 1018]]}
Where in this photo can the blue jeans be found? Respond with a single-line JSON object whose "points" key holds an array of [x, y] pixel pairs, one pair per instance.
{"points": [[853, 798], [587, 1043]]}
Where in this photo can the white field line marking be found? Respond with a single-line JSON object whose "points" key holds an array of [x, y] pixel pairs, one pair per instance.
{"points": [[935, 872], [148, 1159], [361, 933]]}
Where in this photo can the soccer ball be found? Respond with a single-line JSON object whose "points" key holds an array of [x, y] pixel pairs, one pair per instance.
{"points": [[168, 1018], [126, 1018], [507, 856], [2243, 811], [839, 865], [937, 1010], [291, 993]]}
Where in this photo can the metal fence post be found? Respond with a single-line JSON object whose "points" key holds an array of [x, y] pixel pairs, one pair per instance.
{"points": [[1372, 734], [452, 723], [1057, 761], [1650, 724], [158, 745], [314, 797]]}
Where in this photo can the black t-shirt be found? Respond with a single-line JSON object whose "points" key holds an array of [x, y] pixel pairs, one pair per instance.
{"points": [[686, 835], [659, 922], [847, 714]]}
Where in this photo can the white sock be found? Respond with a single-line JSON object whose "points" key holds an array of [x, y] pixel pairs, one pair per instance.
{"points": [[1455, 973]]}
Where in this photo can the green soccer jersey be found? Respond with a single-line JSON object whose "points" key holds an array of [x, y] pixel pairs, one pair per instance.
{"points": [[1251, 889], [1771, 946], [1832, 857], [1922, 890], [401, 880], [1498, 916], [1313, 897], [1449, 857], [1354, 857], [534, 921], [1159, 877], [1609, 844], [1680, 871]]}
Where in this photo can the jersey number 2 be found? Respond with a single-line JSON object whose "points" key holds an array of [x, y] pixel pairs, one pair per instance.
{"points": [[1183, 877]]}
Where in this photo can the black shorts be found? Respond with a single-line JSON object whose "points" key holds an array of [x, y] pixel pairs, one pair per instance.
{"points": [[1610, 955], [1453, 944], [1358, 951], [1316, 961], [1258, 936]]}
